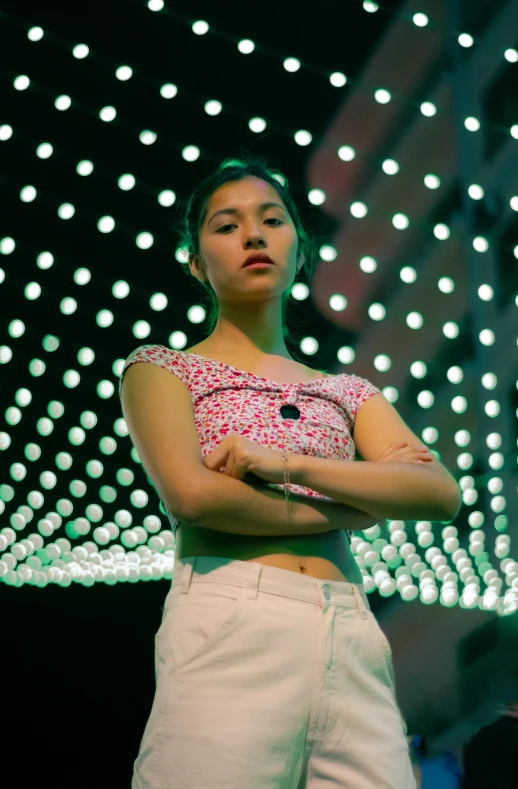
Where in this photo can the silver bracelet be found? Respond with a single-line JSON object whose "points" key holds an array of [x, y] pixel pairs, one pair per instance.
{"points": [[286, 478]]}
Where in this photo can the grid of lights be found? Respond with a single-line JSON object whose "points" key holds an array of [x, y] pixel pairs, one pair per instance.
{"points": [[146, 552]]}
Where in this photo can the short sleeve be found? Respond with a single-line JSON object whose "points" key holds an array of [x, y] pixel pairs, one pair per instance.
{"points": [[359, 390], [158, 354]]}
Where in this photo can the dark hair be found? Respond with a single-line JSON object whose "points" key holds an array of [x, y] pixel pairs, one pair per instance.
{"points": [[194, 212]]}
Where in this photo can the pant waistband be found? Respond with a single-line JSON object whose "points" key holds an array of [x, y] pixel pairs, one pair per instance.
{"points": [[255, 577]]}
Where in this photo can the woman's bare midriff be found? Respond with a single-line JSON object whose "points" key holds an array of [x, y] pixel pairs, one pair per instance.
{"points": [[326, 556]]}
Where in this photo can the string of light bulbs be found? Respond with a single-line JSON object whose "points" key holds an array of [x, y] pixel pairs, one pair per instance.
{"points": [[247, 47]]}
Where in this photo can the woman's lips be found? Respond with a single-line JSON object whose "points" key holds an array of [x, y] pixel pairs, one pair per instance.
{"points": [[258, 259]]}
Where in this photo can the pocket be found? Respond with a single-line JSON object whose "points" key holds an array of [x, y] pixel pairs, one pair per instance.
{"points": [[386, 649], [193, 623], [389, 663]]}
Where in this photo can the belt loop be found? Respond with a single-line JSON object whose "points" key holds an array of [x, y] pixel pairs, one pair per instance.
{"points": [[251, 579], [187, 574], [360, 602], [317, 588]]}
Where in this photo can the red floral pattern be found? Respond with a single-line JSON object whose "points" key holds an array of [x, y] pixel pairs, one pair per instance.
{"points": [[229, 400]]}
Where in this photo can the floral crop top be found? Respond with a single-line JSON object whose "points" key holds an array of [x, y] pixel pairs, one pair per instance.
{"points": [[310, 418]]}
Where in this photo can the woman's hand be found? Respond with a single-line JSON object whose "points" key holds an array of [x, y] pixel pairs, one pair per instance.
{"points": [[400, 452], [237, 456]]}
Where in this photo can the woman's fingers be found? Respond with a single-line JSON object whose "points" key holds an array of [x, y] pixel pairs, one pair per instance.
{"points": [[400, 451], [406, 454]]}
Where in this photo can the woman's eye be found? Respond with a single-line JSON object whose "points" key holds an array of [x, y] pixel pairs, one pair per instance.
{"points": [[271, 219]]}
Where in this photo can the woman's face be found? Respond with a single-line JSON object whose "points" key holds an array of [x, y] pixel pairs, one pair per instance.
{"points": [[226, 240]]}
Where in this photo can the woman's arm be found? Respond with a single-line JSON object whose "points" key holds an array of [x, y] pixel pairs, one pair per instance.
{"points": [[246, 507]]}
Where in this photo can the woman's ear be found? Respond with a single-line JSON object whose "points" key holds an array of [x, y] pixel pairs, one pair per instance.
{"points": [[194, 265]]}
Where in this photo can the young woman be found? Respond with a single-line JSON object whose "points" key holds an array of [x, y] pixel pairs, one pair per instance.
{"points": [[271, 668]]}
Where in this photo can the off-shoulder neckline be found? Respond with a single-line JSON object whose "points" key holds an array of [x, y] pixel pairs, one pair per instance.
{"points": [[259, 377]]}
